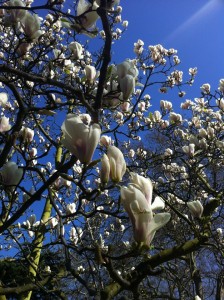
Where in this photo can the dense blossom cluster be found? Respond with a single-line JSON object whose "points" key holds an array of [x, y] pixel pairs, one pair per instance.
{"points": [[87, 163]]}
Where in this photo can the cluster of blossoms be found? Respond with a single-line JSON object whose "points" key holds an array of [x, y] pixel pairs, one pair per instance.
{"points": [[110, 131]]}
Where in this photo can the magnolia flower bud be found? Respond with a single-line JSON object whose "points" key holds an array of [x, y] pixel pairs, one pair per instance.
{"points": [[165, 105], [33, 152], [127, 85], [53, 222], [220, 103], [76, 50], [90, 73], [195, 208], [4, 124], [105, 169], [105, 140], [27, 134], [117, 163], [205, 88], [175, 118], [80, 139], [189, 150], [70, 208], [3, 99], [221, 85], [31, 26], [126, 68], [89, 18], [11, 174]]}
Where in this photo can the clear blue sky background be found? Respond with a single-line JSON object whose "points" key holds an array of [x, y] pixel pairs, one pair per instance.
{"points": [[194, 27]]}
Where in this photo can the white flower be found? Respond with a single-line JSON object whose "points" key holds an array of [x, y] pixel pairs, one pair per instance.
{"points": [[220, 103], [105, 140], [158, 204], [189, 150], [80, 139], [117, 163], [127, 68], [221, 85], [127, 85], [4, 124], [90, 73], [175, 118], [89, 18], [195, 208], [53, 222], [76, 49], [27, 134], [70, 208], [165, 105], [105, 169], [143, 184], [205, 88], [138, 208], [31, 26], [125, 24], [3, 99], [138, 47], [10, 174]]}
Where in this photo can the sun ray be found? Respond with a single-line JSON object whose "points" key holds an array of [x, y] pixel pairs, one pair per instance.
{"points": [[202, 12]]}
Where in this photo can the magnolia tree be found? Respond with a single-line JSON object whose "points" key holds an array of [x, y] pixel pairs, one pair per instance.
{"points": [[88, 210]]}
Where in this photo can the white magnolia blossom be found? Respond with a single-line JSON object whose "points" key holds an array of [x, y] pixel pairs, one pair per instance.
{"points": [[127, 85], [4, 124], [89, 13], [53, 222], [138, 47], [189, 150], [76, 49], [175, 118], [140, 212], [3, 99], [70, 208], [205, 88], [11, 174], [221, 85], [31, 26], [195, 208], [90, 73], [127, 75], [80, 139], [75, 234], [193, 71], [165, 105], [105, 169], [117, 163], [220, 103], [27, 134], [105, 140]]}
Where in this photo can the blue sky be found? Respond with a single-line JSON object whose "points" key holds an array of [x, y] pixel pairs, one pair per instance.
{"points": [[194, 27]]}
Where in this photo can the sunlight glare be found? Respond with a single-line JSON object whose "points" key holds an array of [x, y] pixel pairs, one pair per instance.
{"points": [[202, 12]]}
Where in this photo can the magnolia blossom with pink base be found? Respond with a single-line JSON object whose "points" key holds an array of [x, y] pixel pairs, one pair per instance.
{"points": [[80, 139], [136, 199]]}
